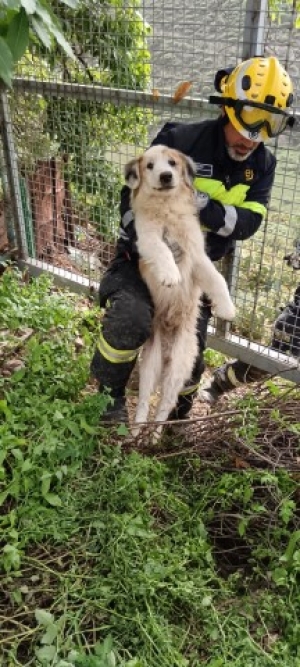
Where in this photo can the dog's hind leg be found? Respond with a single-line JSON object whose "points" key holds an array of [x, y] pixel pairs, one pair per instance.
{"points": [[176, 372], [150, 371]]}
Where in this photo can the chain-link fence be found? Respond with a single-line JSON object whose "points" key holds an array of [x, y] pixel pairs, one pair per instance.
{"points": [[68, 128]]}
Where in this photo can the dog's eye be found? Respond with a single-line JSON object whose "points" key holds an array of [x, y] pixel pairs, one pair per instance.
{"points": [[150, 165], [172, 163]]}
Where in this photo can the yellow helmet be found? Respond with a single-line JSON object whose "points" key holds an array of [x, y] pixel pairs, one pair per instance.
{"points": [[256, 95]]}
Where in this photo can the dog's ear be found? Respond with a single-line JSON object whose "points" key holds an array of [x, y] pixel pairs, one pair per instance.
{"points": [[132, 173], [189, 170]]}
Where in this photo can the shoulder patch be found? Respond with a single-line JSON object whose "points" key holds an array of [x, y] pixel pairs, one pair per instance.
{"points": [[249, 175], [203, 169]]}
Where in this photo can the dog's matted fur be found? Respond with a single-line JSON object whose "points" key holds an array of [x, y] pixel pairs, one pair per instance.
{"points": [[176, 269]]}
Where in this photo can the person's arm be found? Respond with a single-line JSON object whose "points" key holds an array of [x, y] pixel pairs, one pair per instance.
{"points": [[127, 233], [237, 222]]}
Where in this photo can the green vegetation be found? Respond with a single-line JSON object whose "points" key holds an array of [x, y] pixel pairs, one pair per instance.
{"points": [[265, 282], [270, 283], [114, 559], [109, 40], [24, 24], [277, 7]]}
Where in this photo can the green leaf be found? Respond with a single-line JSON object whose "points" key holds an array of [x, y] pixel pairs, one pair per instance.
{"points": [[73, 428], [18, 34], [206, 601], [18, 375], [51, 22], [11, 558], [50, 634], [70, 3], [53, 499], [291, 547], [62, 42], [122, 430], [17, 454], [3, 497], [27, 465], [279, 575], [46, 485], [46, 653], [42, 32], [11, 4], [3, 403], [57, 415], [44, 15], [91, 430], [43, 617], [29, 6]]}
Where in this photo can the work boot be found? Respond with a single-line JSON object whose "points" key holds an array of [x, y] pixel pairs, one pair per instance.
{"points": [[179, 414], [183, 407], [116, 412], [211, 392], [223, 380], [231, 375]]}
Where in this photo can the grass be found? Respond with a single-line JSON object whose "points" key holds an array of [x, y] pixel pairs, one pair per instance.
{"points": [[114, 559]]}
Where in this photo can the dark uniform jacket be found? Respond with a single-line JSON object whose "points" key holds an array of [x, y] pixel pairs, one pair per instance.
{"points": [[238, 192]]}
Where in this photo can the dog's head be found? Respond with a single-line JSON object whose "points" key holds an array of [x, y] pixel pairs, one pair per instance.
{"points": [[160, 168]]}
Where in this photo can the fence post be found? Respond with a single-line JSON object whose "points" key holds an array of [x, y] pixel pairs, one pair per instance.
{"points": [[254, 29], [253, 45], [8, 214], [12, 173]]}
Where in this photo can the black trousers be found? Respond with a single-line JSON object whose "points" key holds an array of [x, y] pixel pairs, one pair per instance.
{"points": [[127, 324]]}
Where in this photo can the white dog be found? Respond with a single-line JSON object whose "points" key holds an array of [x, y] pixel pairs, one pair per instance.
{"points": [[166, 219]]}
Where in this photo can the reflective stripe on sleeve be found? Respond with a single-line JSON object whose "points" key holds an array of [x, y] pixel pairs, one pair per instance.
{"points": [[123, 235], [189, 390], [255, 207], [232, 377], [230, 219], [113, 355], [127, 218]]}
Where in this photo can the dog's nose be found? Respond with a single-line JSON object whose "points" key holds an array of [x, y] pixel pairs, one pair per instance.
{"points": [[166, 177]]}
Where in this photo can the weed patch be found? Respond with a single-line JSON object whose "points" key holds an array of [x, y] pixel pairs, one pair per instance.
{"points": [[111, 558]]}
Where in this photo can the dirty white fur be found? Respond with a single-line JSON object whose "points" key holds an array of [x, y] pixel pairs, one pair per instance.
{"points": [[166, 220]]}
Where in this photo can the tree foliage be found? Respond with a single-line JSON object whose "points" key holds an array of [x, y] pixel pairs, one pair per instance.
{"points": [[276, 7], [23, 23], [109, 40]]}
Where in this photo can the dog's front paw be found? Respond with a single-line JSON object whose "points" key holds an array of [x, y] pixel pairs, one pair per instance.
{"points": [[171, 278], [157, 435], [224, 309]]}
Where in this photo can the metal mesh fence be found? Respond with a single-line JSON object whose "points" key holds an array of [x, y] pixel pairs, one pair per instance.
{"points": [[69, 128]]}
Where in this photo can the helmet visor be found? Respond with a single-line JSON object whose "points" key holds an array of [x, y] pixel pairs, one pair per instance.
{"points": [[254, 119], [256, 116]]}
